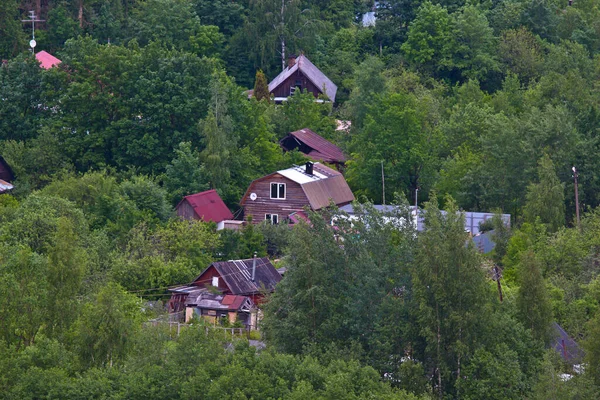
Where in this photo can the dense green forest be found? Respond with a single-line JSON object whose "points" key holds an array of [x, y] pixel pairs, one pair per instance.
{"points": [[480, 105]]}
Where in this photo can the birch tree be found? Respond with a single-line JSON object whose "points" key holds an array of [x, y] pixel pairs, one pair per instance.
{"points": [[449, 289]]}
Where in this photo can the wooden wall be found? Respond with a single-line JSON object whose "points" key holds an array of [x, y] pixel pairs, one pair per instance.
{"points": [[283, 90], [185, 210], [205, 280], [5, 173], [295, 199]]}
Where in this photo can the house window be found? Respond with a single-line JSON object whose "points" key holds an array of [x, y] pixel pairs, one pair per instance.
{"points": [[215, 281], [272, 218], [277, 190]]}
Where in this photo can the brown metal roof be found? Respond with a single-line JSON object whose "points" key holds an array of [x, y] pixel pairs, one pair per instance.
{"points": [[316, 147], [321, 193], [237, 275]]}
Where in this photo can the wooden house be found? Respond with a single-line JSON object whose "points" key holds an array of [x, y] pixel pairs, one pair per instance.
{"points": [[301, 74], [276, 196], [206, 206], [6, 176], [226, 289], [314, 146]]}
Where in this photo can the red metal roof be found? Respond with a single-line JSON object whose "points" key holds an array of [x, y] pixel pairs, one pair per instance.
{"points": [[46, 59], [234, 302], [322, 149], [208, 206]]}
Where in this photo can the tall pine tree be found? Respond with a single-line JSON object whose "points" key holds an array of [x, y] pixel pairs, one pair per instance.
{"points": [[533, 303]]}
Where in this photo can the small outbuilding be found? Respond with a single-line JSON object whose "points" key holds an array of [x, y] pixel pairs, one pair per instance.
{"points": [[205, 206]]}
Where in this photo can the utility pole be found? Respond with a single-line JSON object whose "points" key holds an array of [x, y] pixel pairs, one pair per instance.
{"points": [[33, 19], [575, 176], [497, 275], [383, 182], [416, 198]]}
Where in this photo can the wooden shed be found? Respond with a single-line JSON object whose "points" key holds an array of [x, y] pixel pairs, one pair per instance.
{"points": [[206, 206]]}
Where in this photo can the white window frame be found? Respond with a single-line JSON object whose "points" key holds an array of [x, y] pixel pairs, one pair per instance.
{"points": [[278, 188], [269, 217], [215, 281]]}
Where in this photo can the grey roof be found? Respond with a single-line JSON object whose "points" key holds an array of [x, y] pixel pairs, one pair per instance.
{"points": [[311, 72], [484, 243], [472, 219], [237, 274], [566, 346]]}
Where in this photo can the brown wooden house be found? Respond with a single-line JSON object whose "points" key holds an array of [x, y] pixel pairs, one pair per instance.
{"points": [[6, 176], [250, 277], [301, 74], [276, 196], [314, 146]]}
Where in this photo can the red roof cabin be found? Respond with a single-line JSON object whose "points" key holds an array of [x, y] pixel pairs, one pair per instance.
{"points": [[205, 206], [46, 59]]}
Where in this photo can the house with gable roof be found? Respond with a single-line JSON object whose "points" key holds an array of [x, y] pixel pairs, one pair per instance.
{"points": [[277, 196], [207, 206], [314, 146], [229, 290], [301, 74]]}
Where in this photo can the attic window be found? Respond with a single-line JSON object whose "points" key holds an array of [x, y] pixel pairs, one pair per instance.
{"points": [[215, 281], [277, 190]]}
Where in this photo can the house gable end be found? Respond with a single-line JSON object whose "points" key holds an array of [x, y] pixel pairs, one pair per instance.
{"points": [[294, 200]]}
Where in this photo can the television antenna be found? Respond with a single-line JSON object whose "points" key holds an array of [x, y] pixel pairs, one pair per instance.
{"points": [[33, 19]]}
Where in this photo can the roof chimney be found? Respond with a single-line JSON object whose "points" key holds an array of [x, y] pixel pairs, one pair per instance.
{"points": [[254, 267], [309, 168], [291, 60]]}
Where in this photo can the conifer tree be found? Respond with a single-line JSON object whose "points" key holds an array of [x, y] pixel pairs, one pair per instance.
{"points": [[532, 299], [261, 87]]}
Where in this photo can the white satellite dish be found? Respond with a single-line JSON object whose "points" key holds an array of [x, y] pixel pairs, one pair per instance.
{"points": [[32, 43], [253, 196]]}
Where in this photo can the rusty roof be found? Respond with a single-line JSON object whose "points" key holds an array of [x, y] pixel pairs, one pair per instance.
{"points": [[208, 206], [320, 148], [321, 193], [318, 78], [237, 275], [201, 297]]}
